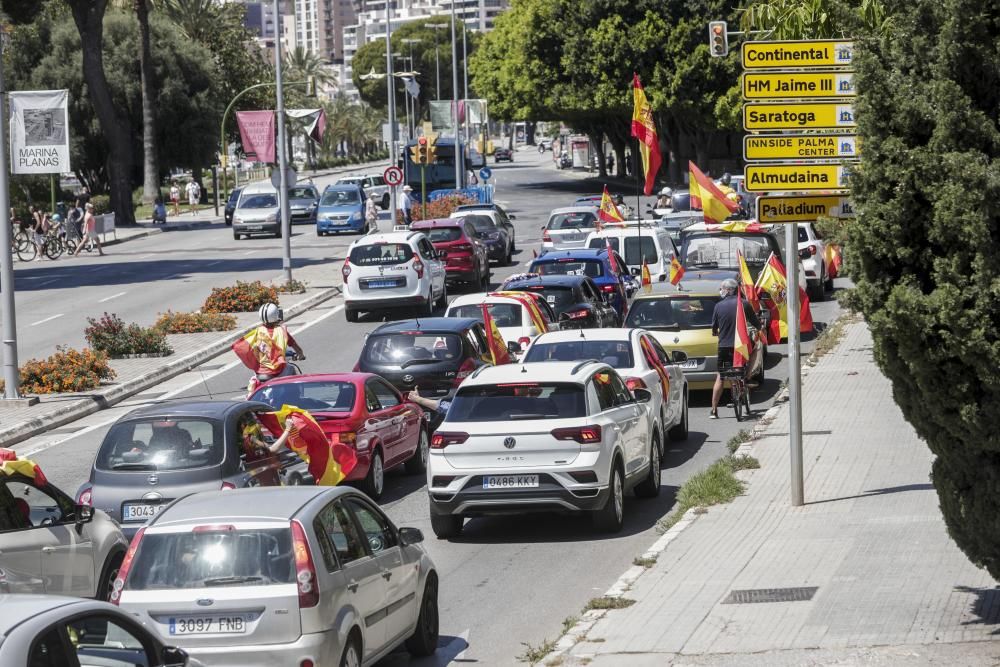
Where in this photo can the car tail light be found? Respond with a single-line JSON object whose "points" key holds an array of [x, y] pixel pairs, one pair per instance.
{"points": [[576, 314], [228, 486], [86, 497], [418, 266], [461, 247], [119, 583], [442, 439], [305, 571], [307, 663], [611, 289], [585, 435], [635, 383], [347, 438], [464, 371], [812, 249], [524, 342], [346, 269], [545, 236]]}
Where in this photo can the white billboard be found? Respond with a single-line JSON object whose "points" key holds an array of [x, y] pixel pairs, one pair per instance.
{"points": [[39, 132]]}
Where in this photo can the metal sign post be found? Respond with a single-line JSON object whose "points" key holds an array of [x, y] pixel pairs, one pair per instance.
{"points": [[794, 362], [284, 221], [11, 377]]}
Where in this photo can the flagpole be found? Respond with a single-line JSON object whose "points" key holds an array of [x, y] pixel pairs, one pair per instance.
{"points": [[638, 190]]}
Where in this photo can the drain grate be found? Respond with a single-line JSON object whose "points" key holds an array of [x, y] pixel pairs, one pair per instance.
{"points": [[756, 595]]}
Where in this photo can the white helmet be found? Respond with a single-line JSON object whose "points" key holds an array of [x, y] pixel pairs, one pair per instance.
{"points": [[666, 192], [271, 314]]}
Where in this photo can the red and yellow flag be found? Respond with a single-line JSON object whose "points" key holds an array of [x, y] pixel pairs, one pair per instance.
{"points": [[498, 348], [328, 463], [646, 278], [10, 464], [262, 350], [654, 361], [834, 259], [741, 226], [707, 196], [608, 211], [741, 339], [676, 270], [612, 262], [772, 280], [747, 285], [529, 301], [644, 130]]}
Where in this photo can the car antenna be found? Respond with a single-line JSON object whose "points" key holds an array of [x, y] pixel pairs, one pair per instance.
{"points": [[581, 334]]}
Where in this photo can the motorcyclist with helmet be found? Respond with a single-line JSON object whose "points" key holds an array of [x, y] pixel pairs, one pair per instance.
{"points": [[273, 334]]}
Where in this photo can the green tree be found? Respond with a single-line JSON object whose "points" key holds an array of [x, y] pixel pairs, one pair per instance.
{"points": [[150, 163], [301, 65]]}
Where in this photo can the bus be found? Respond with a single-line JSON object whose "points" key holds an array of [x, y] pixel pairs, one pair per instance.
{"points": [[441, 174]]}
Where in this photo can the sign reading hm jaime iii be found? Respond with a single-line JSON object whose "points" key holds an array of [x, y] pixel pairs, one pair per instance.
{"points": [[39, 132]]}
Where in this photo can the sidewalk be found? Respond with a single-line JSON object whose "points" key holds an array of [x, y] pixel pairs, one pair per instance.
{"points": [[891, 588], [137, 375]]}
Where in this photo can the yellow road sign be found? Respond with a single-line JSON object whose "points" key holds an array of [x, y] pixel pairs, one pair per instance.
{"points": [[787, 55], [797, 115], [782, 85], [802, 208], [797, 177], [822, 146]]}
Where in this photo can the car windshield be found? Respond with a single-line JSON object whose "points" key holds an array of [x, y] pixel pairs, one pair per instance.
{"points": [[215, 556], [327, 396], [571, 221], [504, 314], [340, 197], [443, 234], [672, 314], [381, 254], [350, 181], [482, 223], [510, 402], [402, 350], [639, 249], [259, 201], [557, 296], [162, 444], [302, 193], [617, 354], [570, 267], [718, 251], [681, 201]]}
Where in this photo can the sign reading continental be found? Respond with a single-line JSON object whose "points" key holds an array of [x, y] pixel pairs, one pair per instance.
{"points": [[797, 116], [784, 85], [802, 208], [787, 55], [797, 177], [800, 147]]}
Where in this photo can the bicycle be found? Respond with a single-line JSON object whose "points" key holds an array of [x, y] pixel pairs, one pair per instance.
{"points": [[21, 245], [54, 243], [739, 391]]}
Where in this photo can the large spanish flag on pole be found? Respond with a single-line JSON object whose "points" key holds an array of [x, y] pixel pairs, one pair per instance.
{"points": [[741, 340], [644, 130], [707, 196], [328, 463], [772, 279]]}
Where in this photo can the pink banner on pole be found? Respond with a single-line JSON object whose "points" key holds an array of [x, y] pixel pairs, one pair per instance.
{"points": [[319, 127], [257, 130]]}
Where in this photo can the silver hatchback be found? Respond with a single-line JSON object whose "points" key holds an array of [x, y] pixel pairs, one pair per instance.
{"points": [[286, 576]]}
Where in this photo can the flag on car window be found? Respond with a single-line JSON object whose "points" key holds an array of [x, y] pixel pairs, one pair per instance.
{"points": [[328, 463], [262, 349], [612, 262], [608, 211], [530, 303], [10, 464], [707, 196], [676, 270], [773, 281], [498, 348], [644, 130], [654, 362], [834, 259]]}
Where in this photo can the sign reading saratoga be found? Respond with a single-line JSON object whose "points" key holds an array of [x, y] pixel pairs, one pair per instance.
{"points": [[797, 115]]}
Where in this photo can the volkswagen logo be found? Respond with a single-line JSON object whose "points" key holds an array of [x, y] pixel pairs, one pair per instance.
{"points": [[407, 378], [509, 442], [153, 479]]}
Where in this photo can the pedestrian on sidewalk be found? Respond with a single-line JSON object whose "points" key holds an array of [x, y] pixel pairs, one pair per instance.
{"points": [[74, 222], [159, 211], [175, 198], [406, 205], [90, 231], [193, 195], [39, 225], [371, 213], [724, 326]]}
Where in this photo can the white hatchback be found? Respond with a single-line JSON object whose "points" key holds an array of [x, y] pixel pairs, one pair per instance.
{"points": [[393, 270], [812, 250], [511, 316], [555, 436]]}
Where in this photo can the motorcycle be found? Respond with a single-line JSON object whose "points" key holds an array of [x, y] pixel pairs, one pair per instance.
{"points": [[291, 368]]}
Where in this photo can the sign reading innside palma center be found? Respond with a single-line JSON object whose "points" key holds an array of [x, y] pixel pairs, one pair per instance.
{"points": [[800, 146]]}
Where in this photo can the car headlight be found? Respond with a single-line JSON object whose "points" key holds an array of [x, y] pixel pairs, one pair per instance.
{"points": [[271, 218], [238, 221], [356, 215]]}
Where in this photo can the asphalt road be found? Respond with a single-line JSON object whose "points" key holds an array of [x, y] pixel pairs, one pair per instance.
{"points": [[507, 581]]}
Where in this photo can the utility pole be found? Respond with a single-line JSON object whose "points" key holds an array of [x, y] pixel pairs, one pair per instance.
{"points": [[465, 74], [390, 81], [11, 378], [459, 167], [437, 55], [794, 361], [286, 230]]}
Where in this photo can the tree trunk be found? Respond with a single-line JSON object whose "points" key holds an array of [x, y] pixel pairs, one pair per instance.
{"points": [[151, 166], [596, 141], [89, 18]]}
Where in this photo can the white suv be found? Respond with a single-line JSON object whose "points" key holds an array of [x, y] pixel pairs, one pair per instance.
{"points": [[814, 262], [553, 436], [393, 270]]}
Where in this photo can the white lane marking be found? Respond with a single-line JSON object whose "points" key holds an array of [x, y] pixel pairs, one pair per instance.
{"points": [[214, 263], [113, 296], [48, 282], [148, 254], [250, 252], [170, 394], [47, 275], [47, 319]]}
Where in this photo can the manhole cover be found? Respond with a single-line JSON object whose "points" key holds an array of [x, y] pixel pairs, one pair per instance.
{"points": [[755, 595]]}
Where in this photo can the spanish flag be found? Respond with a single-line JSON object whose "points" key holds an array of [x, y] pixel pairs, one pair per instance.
{"points": [[676, 271], [328, 463], [834, 259], [10, 464], [654, 361], [498, 348], [262, 350], [773, 281], [644, 130], [647, 279], [741, 339], [608, 211], [707, 196], [527, 300], [612, 262], [741, 226], [747, 285]]}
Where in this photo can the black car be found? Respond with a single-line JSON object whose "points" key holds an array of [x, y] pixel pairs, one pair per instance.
{"points": [[498, 242], [575, 299], [500, 218], [234, 197], [503, 155]]}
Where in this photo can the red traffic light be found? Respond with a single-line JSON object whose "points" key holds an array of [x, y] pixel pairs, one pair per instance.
{"points": [[422, 141], [717, 29]]}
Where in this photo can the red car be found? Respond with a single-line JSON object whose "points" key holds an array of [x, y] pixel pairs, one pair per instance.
{"points": [[466, 257], [361, 410]]}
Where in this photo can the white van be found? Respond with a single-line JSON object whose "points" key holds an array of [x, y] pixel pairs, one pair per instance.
{"points": [[649, 242], [257, 211]]}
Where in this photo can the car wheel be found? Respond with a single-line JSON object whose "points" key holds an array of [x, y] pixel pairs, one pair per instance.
{"points": [[484, 279], [352, 654], [237, 237], [443, 299], [351, 315], [446, 526], [509, 259], [277, 234], [295, 479], [374, 482], [417, 463], [108, 576], [423, 642], [650, 487], [680, 431], [611, 517], [513, 243], [817, 291], [428, 310], [319, 233]]}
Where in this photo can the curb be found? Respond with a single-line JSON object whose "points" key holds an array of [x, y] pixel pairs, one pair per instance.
{"points": [[86, 405]]}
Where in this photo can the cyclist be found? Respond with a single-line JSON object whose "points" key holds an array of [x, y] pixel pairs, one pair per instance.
{"points": [[271, 342], [724, 326]]}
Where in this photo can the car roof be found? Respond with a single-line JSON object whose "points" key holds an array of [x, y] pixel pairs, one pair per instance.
{"points": [[21, 608], [436, 222], [538, 371], [557, 280], [574, 253], [668, 291], [214, 409], [319, 377], [479, 207], [428, 325], [573, 209], [385, 237], [342, 186], [261, 502], [608, 333], [260, 187], [480, 297]]}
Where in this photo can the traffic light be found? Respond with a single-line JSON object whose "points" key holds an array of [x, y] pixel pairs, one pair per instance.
{"points": [[420, 151], [718, 39], [431, 152]]}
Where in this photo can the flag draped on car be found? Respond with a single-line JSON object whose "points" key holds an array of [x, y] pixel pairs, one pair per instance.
{"points": [[612, 262], [528, 300], [741, 338], [644, 130], [262, 349], [608, 212], [747, 285], [498, 348], [10, 464], [653, 360], [772, 280], [834, 259], [676, 271], [707, 196], [328, 463], [740, 226]]}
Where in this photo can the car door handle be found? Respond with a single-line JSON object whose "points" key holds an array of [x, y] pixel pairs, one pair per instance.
{"points": [[353, 587], [48, 550], [387, 575]]}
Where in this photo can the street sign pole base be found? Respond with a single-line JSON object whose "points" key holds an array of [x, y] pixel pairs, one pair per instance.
{"points": [[15, 403]]}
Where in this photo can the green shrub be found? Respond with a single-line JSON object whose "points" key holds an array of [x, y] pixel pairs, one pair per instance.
{"points": [[102, 204], [291, 287], [112, 336], [240, 298], [182, 323], [67, 370]]}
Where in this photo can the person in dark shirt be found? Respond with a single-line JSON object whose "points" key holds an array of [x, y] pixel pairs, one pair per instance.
{"points": [[724, 326]]}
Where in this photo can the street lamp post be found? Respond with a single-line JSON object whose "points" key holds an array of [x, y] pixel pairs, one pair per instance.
{"points": [[12, 381], [459, 167], [465, 74], [286, 231], [437, 56], [416, 109], [390, 82]]}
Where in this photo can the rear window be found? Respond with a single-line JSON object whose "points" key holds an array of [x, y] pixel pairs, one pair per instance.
{"points": [[803, 235], [672, 314], [617, 354], [718, 251], [639, 249], [558, 298], [602, 243], [569, 221], [302, 193], [504, 314], [681, 202], [321, 396], [518, 401], [259, 201], [481, 223], [381, 254], [443, 234], [570, 267], [257, 557], [409, 349], [162, 444], [234, 196]]}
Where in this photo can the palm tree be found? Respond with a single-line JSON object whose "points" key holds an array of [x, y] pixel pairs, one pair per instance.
{"points": [[150, 164], [301, 65], [193, 17]]}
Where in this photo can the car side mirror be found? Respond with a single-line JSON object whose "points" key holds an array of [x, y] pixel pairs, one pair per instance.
{"points": [[440, 254], [410, 536], [84, 514], [171, 656], [513, 347], [678, 357], [512, 217], [804, 253], [642, 395]]}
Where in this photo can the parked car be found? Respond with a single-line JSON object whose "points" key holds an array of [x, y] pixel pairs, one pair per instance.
{"points": [[510, 315], [371, 184], [341, 209], [575, 299], [257, 211], [503, 155], [230, 209], [302, 203], [54, 630], [568, 227], [572, 437], [465, 255], [48, 543], [614, 283], [393, 270], [639, 243], [818, 279], [158, 453], [304, 575]]}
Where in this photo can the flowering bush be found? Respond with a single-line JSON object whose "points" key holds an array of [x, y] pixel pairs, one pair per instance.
{"points": [[240, 298], [181, 323], [111, 335], [66, 370], [440, 208], [291, 287]]}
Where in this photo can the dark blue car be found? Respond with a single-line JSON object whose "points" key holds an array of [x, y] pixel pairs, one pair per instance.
{"points": [[616, 286]]}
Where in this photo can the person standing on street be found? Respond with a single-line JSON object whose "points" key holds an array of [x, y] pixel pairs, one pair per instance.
{"points": [[724, 326], [193, 194], [406, 205], [371, 214], [175, 198], [89, 231]]}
